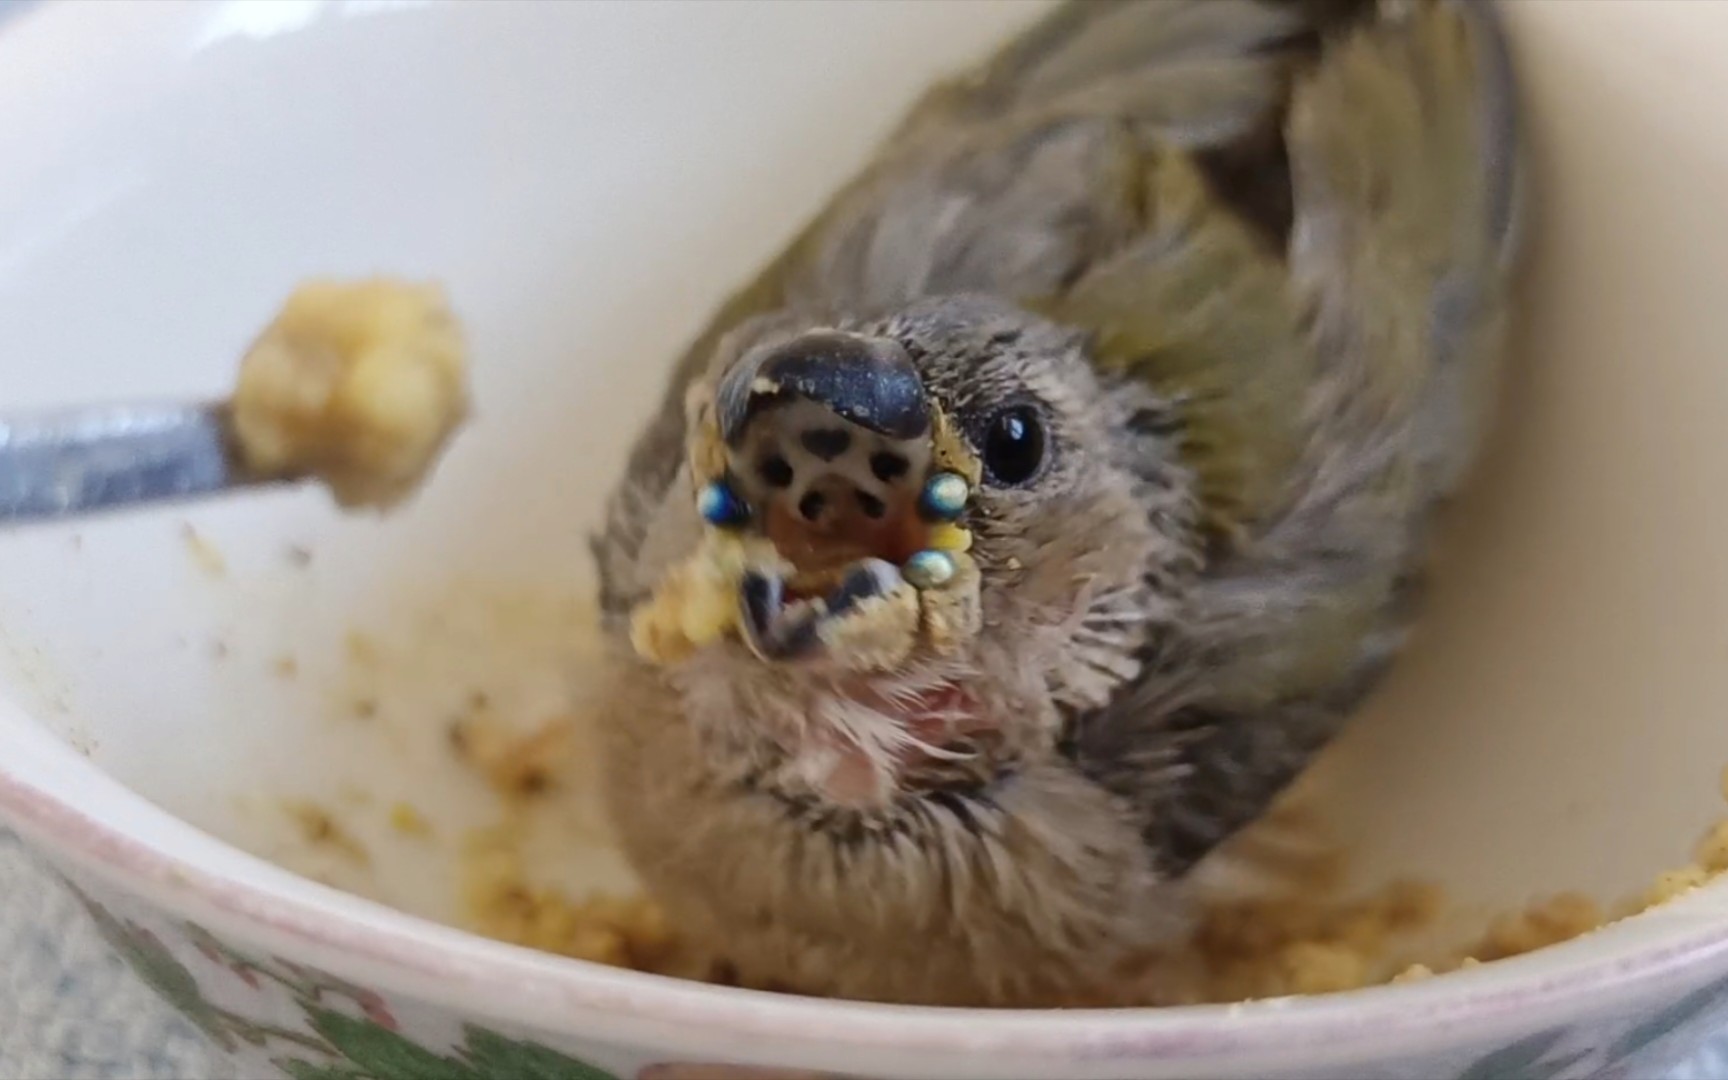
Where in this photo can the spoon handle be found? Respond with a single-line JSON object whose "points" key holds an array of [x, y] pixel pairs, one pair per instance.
{"points": [[81, 461]]}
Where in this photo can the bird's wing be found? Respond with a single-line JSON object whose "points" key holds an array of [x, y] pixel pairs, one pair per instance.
{"points": [[1329, 414]]}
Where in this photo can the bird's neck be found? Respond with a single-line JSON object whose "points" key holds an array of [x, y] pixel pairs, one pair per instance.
{"points": [[847, 738]]}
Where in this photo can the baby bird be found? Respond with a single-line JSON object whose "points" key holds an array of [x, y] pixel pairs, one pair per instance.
{"points": [[1077, 462]]}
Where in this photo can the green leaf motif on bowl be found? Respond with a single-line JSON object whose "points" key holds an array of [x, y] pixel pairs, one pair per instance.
{"points": [[1527, 1059], [1669, 1020], [335, 1044]]}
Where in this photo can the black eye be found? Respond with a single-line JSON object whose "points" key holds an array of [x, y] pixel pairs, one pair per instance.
{"points": [[1014, 445]]}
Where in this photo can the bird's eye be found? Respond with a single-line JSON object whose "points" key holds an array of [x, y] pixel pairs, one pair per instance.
{"points": [[1013, 445]]}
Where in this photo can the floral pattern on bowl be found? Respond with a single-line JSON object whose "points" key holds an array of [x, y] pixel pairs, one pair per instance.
{"points": [[345, 1032], [280, 1018]]}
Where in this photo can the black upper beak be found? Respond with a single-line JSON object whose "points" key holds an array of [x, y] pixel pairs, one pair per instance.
{"points": [[867, 380]]}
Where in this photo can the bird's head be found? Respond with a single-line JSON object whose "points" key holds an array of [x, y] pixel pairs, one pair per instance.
{"points": [[943, 512]]}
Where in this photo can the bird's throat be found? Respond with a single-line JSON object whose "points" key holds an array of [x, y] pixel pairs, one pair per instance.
{"points": [[920, 728]]}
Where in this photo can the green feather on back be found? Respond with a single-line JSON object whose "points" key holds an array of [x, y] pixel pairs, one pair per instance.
{"points": [[1199, 309]]}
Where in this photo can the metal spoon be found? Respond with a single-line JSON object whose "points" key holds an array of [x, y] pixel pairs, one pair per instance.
{"points": [[82, 461]]}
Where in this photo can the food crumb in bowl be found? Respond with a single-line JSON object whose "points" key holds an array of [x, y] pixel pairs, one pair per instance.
{"points": [[501, 899], [363, 650], [285, 667], [1571, 915], [1549, 921], [319, 829], [1296, 941], [205, 554], [359, 384], [1324, 968], [1713, 849], [516, 766], [408, 821], [1673, 884], [501, 902]]}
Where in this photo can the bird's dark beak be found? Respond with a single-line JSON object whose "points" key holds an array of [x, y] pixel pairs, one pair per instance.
{"points": [[868, 381]]}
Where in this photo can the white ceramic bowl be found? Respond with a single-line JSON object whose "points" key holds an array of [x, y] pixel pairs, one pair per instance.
{"points": [[589, 179]]}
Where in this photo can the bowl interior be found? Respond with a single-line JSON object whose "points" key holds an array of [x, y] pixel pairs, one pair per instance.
{"points": [[589, 180]]}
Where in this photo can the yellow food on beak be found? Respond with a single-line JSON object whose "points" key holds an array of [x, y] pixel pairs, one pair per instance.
{"points": [[697, 602], [949, 537]]}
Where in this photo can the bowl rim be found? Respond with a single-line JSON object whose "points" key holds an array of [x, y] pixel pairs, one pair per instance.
{"points": [[453, 968]]}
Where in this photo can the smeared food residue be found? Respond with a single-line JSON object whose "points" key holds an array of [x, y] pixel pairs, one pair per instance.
{"points": [[408, 821], [205, 555], [320, 830]]}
